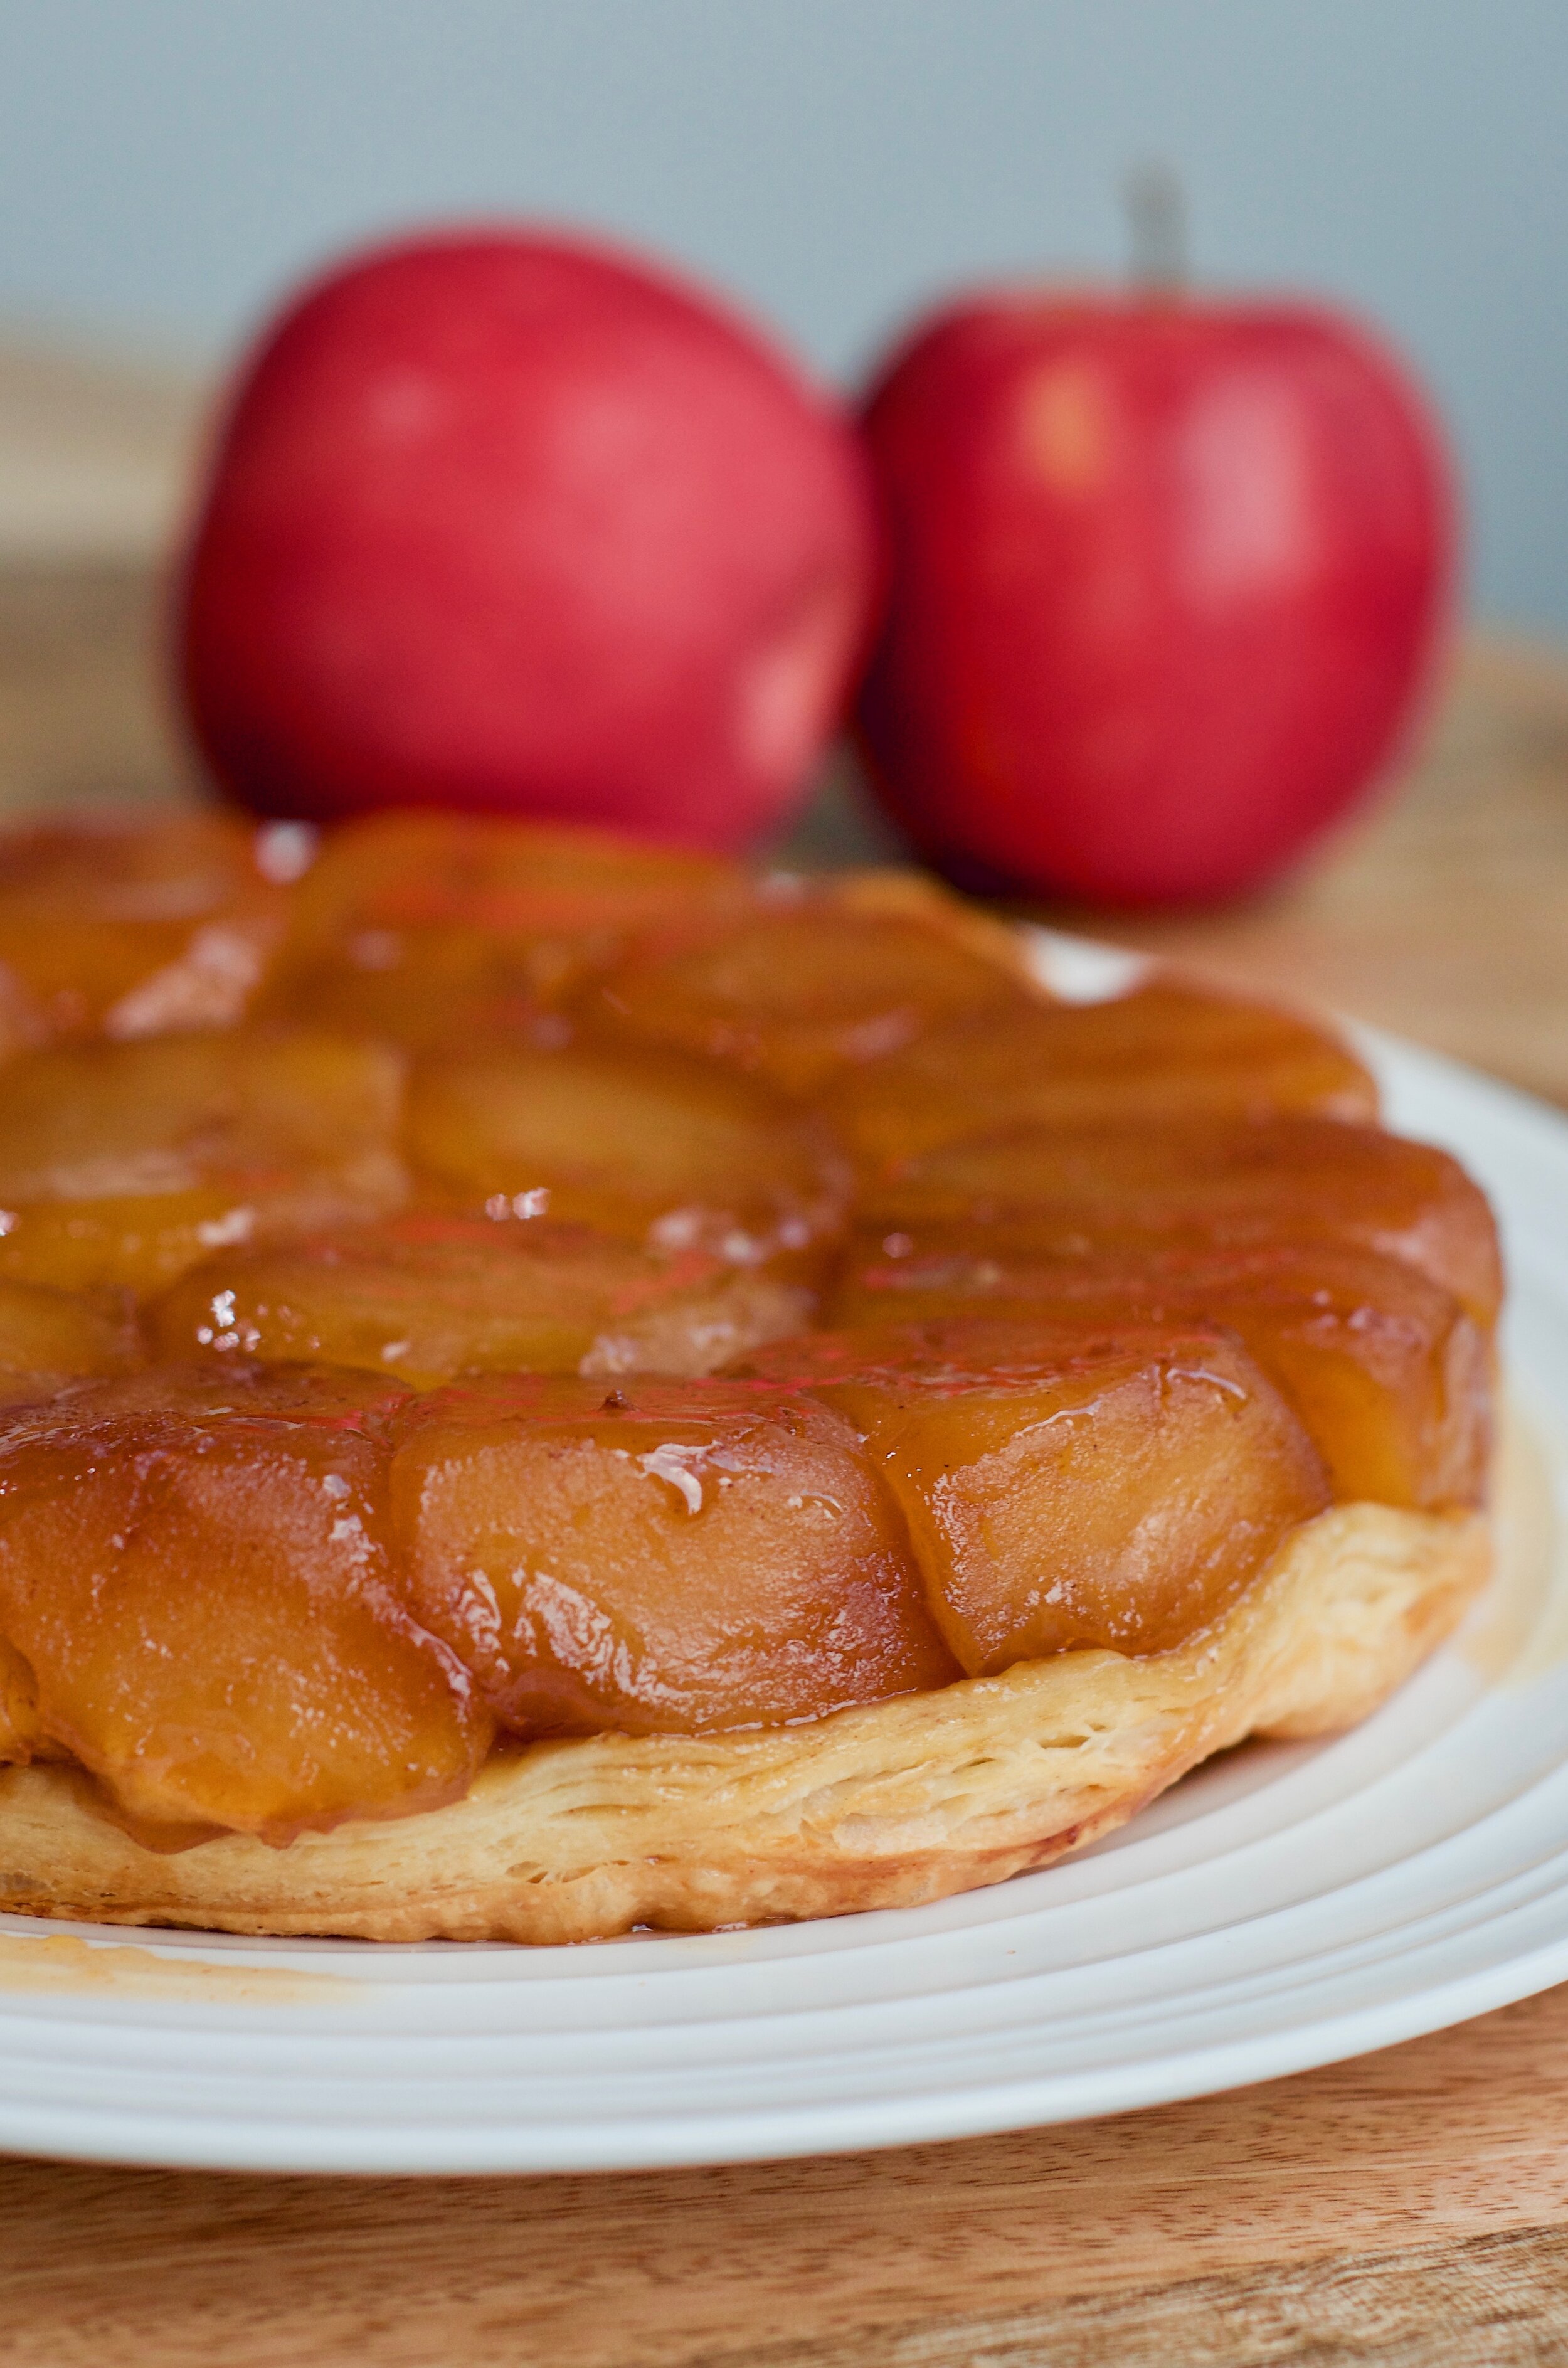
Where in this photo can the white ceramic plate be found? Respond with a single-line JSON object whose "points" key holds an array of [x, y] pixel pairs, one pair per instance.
{"points": [[1285, 1906]]}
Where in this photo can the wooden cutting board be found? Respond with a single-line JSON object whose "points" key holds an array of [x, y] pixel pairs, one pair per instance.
{"points": [[1409, 2208], [1406, 2209]]}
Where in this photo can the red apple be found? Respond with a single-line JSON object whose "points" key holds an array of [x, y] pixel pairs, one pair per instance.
{"points": [[1166, 581], [512, 522]]}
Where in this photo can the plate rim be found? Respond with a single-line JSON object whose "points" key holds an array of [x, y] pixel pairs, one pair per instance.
{"points": [[912, 2114]]}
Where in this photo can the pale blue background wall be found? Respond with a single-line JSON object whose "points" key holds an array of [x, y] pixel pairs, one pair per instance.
{"points": [[165, 166]]}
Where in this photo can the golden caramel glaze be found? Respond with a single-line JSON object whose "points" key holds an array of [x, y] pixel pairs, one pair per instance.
{"points": [[327, 1397], [662, 1557], [66, 1333], [1074, 1194], [1391, 1375], [131, 924], [121, 1165], [800, 988], [425, 1297], [1115, 1485], [22, 1739], [198, 1578], [658, 1145], [430, 928], [370, 1241], [1164, 1053], [885, 1805]]}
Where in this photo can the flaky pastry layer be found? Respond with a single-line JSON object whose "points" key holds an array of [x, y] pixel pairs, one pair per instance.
{"points": [[886, 1805]]}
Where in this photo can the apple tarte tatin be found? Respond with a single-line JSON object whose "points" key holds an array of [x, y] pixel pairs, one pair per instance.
{"points": [[548, 1386]]}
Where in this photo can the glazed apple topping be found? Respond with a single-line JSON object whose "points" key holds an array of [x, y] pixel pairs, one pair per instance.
{"points": [[199, 1584], [660, 1556], [1389, 1374], [427, 1297], [22, 1737], [659, 1145], [432, 927], [802, 992], [133, 924], [416, 1346], [62, 1333], [1165, 1052], [121, 1164], [325, 1397], [1115, 1487], [1072, 1194]]}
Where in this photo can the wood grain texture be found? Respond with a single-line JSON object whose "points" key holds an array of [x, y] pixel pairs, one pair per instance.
{"points": [[97, 452], [83, 714], [1408, 2209], [1373, 2184]]}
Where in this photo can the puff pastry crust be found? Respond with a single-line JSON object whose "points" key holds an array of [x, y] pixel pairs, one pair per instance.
{"points": [[887, 1805]]}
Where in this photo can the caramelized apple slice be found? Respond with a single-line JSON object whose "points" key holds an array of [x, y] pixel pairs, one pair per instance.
{"points": [[135, 923], [204, 1601], [65, 1332], [1286, 1179], [646, 1142], [1391, 1376], [800, 994], [121, 1165], [322, 1397], [427, 1297], [1163, 1054], [431, 928], [1069, 1486], [21, 1735], [668, 1556]]}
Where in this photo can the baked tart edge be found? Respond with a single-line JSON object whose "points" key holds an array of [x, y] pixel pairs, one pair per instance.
{"points": [[887, 1804]]}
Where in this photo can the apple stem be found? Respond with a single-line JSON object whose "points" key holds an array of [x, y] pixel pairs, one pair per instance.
{"points": [[1156, 222]]}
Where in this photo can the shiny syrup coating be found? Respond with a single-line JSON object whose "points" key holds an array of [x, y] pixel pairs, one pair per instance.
{"points": [[249, 1593], [800, 991], [199, 1579], [66, 1333], [432, 927], [654, 1144], [1389, 1374], [1165, 1053], [427, 1297], [22, 1737], [1285, 1180], [131, 925], [1112, 1486], [660, 1557], [121, 1165]]}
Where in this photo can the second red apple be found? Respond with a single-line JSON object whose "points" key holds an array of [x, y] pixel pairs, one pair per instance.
{"points": [[1168, 577]]}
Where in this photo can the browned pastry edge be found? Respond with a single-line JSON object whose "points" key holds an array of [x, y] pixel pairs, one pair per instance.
{"points": [[885, 1806]]}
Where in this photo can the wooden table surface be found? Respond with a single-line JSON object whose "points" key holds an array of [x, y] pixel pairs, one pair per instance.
{"points": [[1409, 2208]]}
